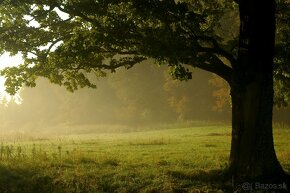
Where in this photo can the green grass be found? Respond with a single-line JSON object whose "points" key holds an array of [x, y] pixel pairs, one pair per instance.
{"points": [[168, 160]]}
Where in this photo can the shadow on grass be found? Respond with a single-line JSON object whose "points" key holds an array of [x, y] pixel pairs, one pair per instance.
{"points": [[220, 181], [13, 180], [212, 180]]}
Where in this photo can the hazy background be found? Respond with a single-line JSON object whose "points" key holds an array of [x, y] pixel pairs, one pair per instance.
{"points": [[145, 95]]}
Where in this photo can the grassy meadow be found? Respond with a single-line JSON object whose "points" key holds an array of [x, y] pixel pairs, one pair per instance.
{"points": [[156, 159]]}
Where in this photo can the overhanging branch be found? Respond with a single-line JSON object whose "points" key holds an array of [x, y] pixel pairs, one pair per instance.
{"points": [[212, 63], [216, 49]]}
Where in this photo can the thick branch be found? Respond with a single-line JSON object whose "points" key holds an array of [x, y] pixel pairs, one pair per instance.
{"points": [[216, 49], [215, 65]]}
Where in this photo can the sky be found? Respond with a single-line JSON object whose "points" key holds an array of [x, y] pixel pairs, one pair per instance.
{"points": [[6, 61]]}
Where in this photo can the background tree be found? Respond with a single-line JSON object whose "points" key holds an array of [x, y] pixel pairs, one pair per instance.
{"points": [[140, 102], [221, 94], [101, 36], [193, 99]]}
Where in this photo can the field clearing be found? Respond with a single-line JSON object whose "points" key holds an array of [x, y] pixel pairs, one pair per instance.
{"points": [[190, 159]]}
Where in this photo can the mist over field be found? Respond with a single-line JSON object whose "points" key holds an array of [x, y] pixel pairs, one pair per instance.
{"points": [[127, 100], [143, 96]]}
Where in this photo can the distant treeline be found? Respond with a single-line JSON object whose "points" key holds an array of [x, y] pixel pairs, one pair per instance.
{"points": [[145, 94]]}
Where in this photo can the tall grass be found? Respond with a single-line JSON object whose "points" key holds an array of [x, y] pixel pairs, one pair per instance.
{"points": [[189, 159]]}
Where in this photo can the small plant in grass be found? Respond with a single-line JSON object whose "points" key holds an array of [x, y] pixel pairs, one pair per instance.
{"points": [[111, 162], [86, 160], [1, 151], [59, 151], [9, 151], [19, 152], [33, 151]]}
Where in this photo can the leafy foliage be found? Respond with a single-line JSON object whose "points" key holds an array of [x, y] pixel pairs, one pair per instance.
{"points": [[65, 41], [282, 65]]}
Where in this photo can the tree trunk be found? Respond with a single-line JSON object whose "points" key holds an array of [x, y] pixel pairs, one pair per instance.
{"points": [[252, 151]]}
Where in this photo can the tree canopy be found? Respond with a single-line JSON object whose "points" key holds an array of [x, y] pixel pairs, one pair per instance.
{"points": [[67, 41]]}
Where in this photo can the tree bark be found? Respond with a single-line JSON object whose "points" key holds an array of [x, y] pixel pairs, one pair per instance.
{"points": [[252, 150]]}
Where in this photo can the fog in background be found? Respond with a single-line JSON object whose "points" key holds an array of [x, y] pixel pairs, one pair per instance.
{"points": [[145, 95]]}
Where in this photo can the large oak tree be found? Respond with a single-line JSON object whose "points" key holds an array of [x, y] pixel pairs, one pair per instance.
{"points": [[67, 40]]}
